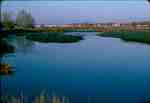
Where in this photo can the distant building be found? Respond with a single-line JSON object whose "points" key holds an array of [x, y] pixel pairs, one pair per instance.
{"points": [[67, 25], [105, 25], [37, 25], [45, 25], [116, 25], [127, 26]]}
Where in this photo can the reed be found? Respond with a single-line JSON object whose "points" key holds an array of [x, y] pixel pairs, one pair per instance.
{"points": [[42, 98]]}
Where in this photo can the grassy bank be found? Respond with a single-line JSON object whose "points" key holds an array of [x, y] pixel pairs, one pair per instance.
{"points": [[44, 35], [53, 37], [143, 37]]}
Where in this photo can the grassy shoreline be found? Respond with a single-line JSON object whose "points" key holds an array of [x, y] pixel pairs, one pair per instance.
{"points": [[142, 37], [44, 35], [53, 37], [57, 35]]}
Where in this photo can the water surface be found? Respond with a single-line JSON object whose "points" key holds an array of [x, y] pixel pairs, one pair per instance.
{"points": [[94, 70]]}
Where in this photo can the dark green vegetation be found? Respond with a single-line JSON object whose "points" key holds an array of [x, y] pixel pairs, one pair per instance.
{"points": [[44, 35], [31, 30], [143, 37], [5, 47], [53, 37]]}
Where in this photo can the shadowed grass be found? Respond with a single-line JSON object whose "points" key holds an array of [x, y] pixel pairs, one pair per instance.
{"points": [[53, 37]]}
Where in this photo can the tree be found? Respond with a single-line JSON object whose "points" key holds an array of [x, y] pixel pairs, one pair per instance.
{"points": [[7, 21], [24, 19]]}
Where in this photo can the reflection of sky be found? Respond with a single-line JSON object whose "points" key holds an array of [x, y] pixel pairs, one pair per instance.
{"points": [[60, 12]]}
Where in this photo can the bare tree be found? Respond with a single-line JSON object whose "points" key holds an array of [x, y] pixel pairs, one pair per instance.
{"points": [[7, 21], [24, 19]]}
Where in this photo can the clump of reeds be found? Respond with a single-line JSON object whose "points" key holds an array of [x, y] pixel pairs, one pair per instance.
{"points": [[42, 98]]}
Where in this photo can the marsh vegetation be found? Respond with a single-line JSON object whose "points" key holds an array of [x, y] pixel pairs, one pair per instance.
{"points": [[53, 37], [143, 37], [42, 98]]}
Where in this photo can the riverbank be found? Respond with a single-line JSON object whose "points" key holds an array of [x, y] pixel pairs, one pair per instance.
{"points": [[44, 35], [143, 37], [57, 35]]}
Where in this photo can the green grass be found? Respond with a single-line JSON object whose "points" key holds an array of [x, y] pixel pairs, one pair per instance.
{"points": [[53, 37], [143, 37], [137, 36]]}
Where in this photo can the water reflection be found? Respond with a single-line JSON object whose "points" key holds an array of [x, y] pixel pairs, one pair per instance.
{"points": [[21, 44], [5, 48], [107, 70], [11, 45]]}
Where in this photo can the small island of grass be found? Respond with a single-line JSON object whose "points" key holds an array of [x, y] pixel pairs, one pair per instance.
{"points": [[143, 37], [53, 37]]}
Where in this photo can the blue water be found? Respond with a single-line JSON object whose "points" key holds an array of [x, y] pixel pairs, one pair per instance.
{"points": [[94, 70]]}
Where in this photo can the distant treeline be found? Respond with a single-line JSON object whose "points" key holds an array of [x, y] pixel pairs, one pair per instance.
{"points": [[23, 20]]}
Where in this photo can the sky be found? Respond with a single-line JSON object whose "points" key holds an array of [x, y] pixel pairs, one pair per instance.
{"points": [[80, 11]]}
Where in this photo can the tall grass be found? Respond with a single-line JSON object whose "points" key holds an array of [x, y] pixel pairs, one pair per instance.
{"points": [[42, 98]]}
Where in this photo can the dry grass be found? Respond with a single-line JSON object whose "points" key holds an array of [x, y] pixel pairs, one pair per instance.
{"points": [[42, 98]]}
